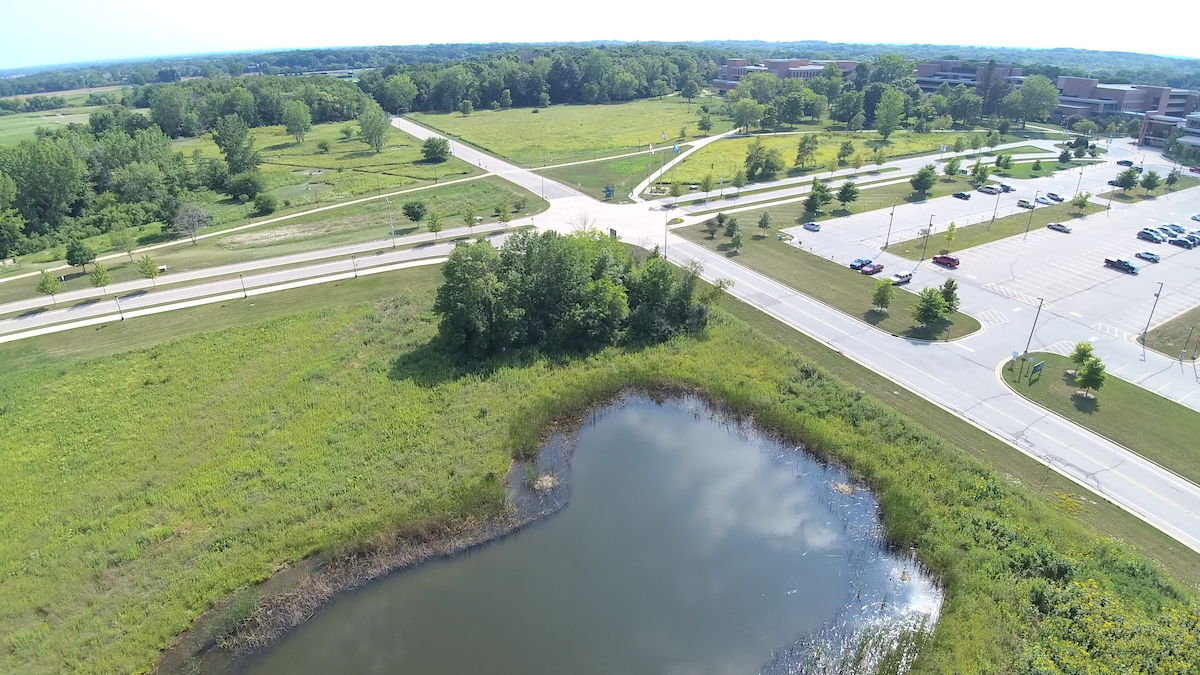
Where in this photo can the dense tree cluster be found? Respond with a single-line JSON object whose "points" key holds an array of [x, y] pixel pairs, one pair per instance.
{"points": [[563, 74], [561, 293], [84, 181]]}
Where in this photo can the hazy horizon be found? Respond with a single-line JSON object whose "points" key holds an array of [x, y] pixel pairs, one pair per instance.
{"points": [[81, 32]]}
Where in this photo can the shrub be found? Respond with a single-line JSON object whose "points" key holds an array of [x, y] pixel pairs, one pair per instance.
{"points": [[265, 204]]}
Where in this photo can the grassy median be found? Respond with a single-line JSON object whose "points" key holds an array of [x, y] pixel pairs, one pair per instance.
{"points": [[1156, 428], [831, 282], [986, 232]]}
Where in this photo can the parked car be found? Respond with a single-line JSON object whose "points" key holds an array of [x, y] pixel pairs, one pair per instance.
{"points": [[1181, 243], [901, 278], [1194, 238], [962, 195], [1174, 227], [1166, 231], [1114, 183], [1194, 169], [1059, 227], [1121, 264], [946, 260], [1125, 162], [859, 263], [1007, 188], [812, 227], [963, 172], [873, 268], [989, 189], [1025, 204], [1043, 200], [1147, 255], [1152, 236], [1054, 196], [1196, 216], [1138, 169]]}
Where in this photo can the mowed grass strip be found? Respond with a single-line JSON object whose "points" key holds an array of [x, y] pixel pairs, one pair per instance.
{"points": [[833, 283], [1024, 170], [1138, 194], [1156, 428], [790, 211], [623, 174], [985, 232], [566, 133], [1180, 334]]}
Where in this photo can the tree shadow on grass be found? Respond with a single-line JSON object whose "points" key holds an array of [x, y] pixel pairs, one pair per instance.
{"points": [[1085, 404], [934, 330], [874, 316]]}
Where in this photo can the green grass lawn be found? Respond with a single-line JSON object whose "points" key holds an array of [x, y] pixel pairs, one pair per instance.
{"points": [[19, 127], [1024, 170], [368, 221], [732, 151], [982, 233], [1148, 424], [1176, 335], [1138, 194], [831, 282], [1019, 150], [568, 133], [869, 199], [623, 174], [215, 458]]}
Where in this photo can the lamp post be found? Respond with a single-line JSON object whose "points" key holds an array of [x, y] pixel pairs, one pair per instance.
{"points": [[928, 231], [354, 264], [721, 193], [996, 209], [122, 313], [243, 281], [391, 219], [1151, 317], [1030, 223], [892, 215], [1030, 340]]}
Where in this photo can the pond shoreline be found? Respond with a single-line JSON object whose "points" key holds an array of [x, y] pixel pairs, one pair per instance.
{"points": [[537, 488]]}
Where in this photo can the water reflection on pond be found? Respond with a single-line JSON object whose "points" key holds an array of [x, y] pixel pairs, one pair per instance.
{"points": [[691, 544]]}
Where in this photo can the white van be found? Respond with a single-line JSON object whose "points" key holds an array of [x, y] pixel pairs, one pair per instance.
{"points": [[989, 189]]}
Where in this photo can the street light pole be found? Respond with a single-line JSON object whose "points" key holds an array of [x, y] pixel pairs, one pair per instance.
{"points": [[1030, 223], [928, 231], [996, 209], [721, 194], [1030, 340], [122, 313], [1080, 183], [888, 238], [354, 264], [1151, 317], [244, 294], [391, 219]]}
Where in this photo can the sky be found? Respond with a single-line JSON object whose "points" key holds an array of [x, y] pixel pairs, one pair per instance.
{"points": [[65, 31]]}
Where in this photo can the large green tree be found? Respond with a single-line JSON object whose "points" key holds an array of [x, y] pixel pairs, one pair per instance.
{"points": [[297, 119], [233, 137], [889, 113], [373, 126], [1039, 97], [924, 179]]}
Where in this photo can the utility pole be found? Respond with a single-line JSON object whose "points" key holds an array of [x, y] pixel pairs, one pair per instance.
{"points": [[1030, 340], [928, 231], [1151, 317], [888, 238], [1030, 223]]}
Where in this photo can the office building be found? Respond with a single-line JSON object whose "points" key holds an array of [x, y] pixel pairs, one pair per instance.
{"points": [[785, 69]]}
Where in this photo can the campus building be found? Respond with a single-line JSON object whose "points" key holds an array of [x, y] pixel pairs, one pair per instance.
{"points": [[1156, 129], [1087, 97], [785, 69], [935, 73]]}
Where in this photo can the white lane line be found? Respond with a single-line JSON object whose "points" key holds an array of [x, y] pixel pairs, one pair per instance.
{"points": [[965, 347], [1076, 314]]}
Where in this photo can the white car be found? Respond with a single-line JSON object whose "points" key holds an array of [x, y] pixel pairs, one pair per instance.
{"points": [[1043, 200], [901, 278], [1196, 216], [812, 227], [1059, 227], [1054, 196]]}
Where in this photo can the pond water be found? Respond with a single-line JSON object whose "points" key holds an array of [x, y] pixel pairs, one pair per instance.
{"points": [[691, 544]]}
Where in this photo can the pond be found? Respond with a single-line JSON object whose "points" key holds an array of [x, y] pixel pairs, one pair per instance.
{"points": [[691, 544]]}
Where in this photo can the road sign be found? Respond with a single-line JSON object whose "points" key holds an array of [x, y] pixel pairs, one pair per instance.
{"points": [[1016, 356], [1037, 368], [609, 190], [943, 147]]}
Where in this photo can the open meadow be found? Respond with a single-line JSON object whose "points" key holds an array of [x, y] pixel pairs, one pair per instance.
{"points": [[22, 126], [535, 137], [146, 486], [353, 224]]}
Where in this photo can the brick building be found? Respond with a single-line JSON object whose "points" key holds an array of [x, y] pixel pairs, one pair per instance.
{"points": [[785, 69]]}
